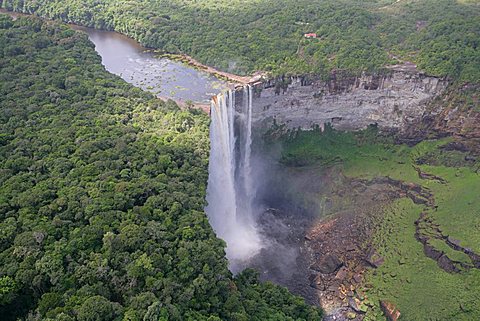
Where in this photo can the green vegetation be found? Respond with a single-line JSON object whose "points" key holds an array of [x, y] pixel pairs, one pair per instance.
{"points": [[102, 196], [441, 36], [413, 282]]}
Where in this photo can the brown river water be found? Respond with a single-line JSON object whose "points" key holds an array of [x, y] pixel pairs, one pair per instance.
{"points": [[166, 78]]}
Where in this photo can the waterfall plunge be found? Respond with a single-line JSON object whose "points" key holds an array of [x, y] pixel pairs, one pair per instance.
{"points": [[230, 191]]}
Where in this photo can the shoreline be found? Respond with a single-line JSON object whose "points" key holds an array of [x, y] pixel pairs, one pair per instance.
{"points": [[233, 80], [230, 77], [181, 57]]}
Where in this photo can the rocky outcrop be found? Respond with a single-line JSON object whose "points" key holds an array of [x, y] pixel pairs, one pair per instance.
{"points": [[455, 113], [426, 230], [327, 264], [390, 311], [392, 100], [338, 246]]}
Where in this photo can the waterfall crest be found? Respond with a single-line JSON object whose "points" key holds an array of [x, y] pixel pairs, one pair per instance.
{"points": [[230, 192]]}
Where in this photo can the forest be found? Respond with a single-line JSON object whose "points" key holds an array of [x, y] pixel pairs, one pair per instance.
{"points": [[440, 36], [103, 186], [102, 196]]}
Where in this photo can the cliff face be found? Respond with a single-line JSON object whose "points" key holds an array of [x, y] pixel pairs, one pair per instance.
{"points": [[391, 101], [457, 113]]}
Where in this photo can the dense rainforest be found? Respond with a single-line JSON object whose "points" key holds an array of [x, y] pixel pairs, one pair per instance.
{"points": [[440, 36], [103, 186], [102, 196]]}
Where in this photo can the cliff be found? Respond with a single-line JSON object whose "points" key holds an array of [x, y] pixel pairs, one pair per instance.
{"points": [[393, 101]]}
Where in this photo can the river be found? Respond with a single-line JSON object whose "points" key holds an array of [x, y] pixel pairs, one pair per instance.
{"points": [[166, 78]]}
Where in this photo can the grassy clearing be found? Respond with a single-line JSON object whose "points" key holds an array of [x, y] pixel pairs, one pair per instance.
{"points": [[409, 279], [414, 282]]}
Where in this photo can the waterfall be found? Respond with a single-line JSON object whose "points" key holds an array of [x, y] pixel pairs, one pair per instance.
{"points": [[247, 97], [230, 193]]}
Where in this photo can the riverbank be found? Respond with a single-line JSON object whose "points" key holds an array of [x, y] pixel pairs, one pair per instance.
{"points": [[236, 79], [169, 77]]}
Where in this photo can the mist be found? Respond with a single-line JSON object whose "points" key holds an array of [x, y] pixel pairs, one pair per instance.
{"points": [[253, 202], [230, 190]]}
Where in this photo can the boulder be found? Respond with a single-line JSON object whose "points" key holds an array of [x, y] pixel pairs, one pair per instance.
{"points": [[317, 283], [341, 274], [354, 304], [357, 305], [390, 311], [374, 259], [470, 158], [357, 278], [327, 264]]}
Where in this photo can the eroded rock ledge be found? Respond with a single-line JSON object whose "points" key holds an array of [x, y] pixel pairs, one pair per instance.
{"points": [[392, 100]]}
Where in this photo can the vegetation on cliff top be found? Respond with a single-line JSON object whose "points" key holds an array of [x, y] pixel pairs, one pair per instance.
{"points": [[102, 196], [441, 36]]}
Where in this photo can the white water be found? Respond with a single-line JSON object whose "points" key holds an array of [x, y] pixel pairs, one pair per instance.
{"points": [[230, 193]]}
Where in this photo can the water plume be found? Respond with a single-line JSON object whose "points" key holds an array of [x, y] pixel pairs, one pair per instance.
{"points": [[230, 192]]}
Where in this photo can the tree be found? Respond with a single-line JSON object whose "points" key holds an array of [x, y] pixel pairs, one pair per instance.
{"points": [[7, 290]]}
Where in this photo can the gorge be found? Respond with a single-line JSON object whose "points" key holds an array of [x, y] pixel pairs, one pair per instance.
{"points": [[258, 210], [325, 187], [392, 101]]}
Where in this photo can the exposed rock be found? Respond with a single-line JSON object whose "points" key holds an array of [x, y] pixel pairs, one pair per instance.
{"points": [[358, 278], [391, 100], [357, 305], [470, 158], [374, 259], [455, 146], [344, 235], [354, 304], [416, 198], [327, 264], [452, 116], [448, 265], [425, 230], [424, 175], [333, 288], [317, 283], [390, 310], [341, 274], [351, 247], [432, 252], [453, 242]]}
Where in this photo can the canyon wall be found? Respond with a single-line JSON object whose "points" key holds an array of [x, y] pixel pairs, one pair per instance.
{"points": [[392, 100]]}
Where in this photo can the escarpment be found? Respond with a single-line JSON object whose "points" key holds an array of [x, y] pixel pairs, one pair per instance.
{"points": [[392, 101]]}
